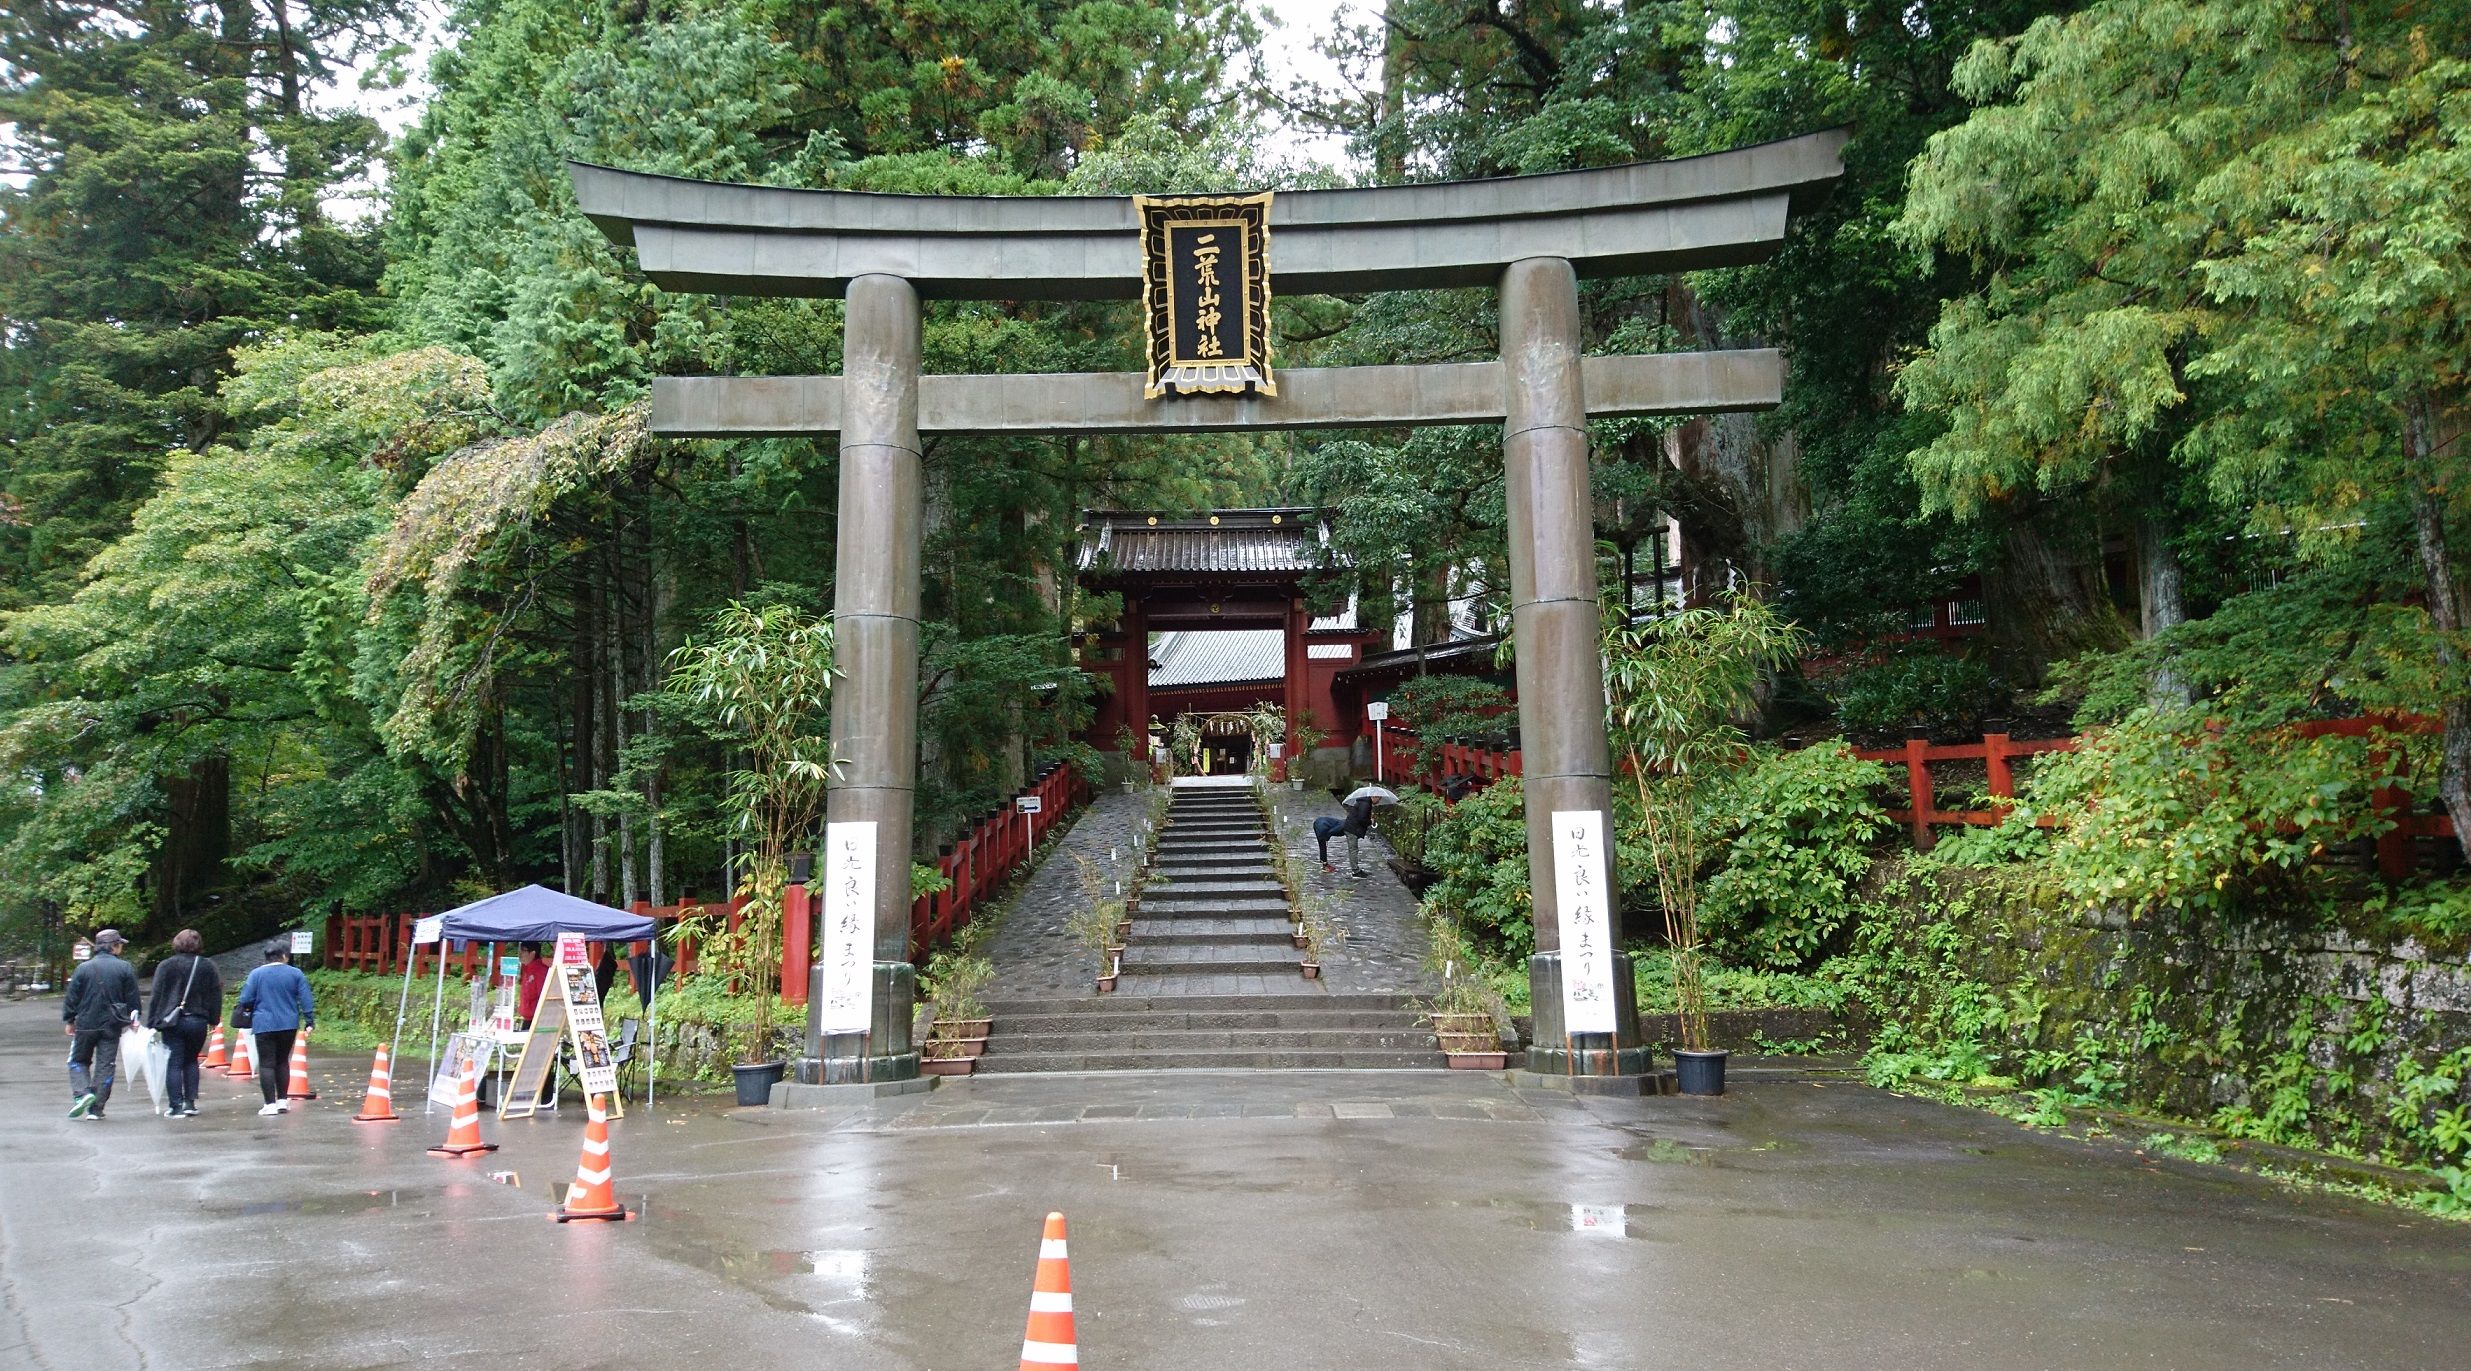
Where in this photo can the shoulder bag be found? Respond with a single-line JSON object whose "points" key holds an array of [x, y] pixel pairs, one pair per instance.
{"points": [[167, 1015]]}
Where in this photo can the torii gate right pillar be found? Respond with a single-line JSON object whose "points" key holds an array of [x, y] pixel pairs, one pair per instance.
{"points": [[1554, 612]]}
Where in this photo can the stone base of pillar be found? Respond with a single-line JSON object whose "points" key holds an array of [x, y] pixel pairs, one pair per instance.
{"points": [[799, 1095], [886, 1054], [1598, 1063]]}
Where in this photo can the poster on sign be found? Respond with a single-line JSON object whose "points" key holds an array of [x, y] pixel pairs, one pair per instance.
{"points": [[569, 1017], [304, 942], [1579, 868], [571, 950], [474, 1050], [849, 927], [429, 930]]}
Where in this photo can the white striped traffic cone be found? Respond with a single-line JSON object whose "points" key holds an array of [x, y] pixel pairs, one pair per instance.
{"points": [[592, 1196], [1049, 1343], [378, 1105]]}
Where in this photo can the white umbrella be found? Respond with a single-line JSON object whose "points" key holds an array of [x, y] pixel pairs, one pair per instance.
{"points": [[1374, 793]]}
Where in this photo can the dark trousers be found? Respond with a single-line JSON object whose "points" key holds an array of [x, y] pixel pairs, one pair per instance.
{"points": [[185, 1035], [94, 1059], [274, 1061], [1324, 829]]}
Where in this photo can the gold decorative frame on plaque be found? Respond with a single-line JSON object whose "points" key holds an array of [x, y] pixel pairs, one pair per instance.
{"points": [[1178, 294]]}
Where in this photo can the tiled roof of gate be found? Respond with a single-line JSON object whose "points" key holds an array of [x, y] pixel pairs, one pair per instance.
{"points": [[1278, 542]]}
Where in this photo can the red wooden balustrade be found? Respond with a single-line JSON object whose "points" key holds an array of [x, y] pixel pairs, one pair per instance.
{"points": [[977, 864]]}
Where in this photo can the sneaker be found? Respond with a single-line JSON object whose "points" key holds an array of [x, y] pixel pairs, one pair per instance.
{"points": [[265, 1110], [84, 1104], [189, 1112]]}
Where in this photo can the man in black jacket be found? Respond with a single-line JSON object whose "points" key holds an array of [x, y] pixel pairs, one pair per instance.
{"points": [[102, 1001]]}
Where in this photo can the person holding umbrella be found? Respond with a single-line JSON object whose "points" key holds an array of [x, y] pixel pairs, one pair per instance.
{"points": [[1359, 805]]}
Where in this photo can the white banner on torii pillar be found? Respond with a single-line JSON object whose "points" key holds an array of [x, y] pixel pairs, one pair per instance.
{"points": [[1585, 920], [849, 928]]}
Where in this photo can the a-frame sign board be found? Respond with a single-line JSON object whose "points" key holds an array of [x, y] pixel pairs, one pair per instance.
{"points": [[569, 1015]]}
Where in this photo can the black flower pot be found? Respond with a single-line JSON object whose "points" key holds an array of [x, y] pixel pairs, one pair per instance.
{"points": [[1700, 1073], [755, 1082]]}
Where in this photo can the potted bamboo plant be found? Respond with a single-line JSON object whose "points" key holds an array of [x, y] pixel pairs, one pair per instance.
{"points": [[1676, 688], [954, 978], [1467, 1025], [760, 681], [1318, 936], [1093, 926]]}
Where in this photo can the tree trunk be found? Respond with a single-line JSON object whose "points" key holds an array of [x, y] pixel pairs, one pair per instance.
{"points": [[2045, 600], [2445, 610], [197, 839], [2162, 602]]}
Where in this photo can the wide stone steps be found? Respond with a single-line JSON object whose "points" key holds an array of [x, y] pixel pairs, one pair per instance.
{"points": [[1171, 932], [1216, 1040], [1241, 960], [1264, 907], [1242, 1059], [1196, 892]]}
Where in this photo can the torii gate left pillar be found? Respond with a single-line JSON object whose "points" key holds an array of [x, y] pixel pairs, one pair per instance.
{"points": [[875, 603]]}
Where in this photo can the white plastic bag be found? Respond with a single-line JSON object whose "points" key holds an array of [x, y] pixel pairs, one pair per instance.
{"points": [[137, 1062]]}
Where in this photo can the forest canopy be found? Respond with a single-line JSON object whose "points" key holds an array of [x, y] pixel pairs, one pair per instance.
{"points": [[339, 570]]}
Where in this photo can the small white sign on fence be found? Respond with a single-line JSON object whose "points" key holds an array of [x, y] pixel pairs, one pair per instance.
{"points": [[304, 942], [1029, 804], [428, 930], [1377, 711], [1586, 924], [849, 928]]}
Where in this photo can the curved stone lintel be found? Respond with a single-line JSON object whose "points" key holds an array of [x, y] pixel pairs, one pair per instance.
{"points": [[1670, 383], [1690, 213]]}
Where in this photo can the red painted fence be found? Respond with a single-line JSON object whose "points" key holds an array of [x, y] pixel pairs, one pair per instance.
{"points": [[1996, 751], [977, 865]]}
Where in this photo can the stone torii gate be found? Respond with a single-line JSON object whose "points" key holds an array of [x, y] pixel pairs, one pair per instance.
{"points": [[1533, 237]]}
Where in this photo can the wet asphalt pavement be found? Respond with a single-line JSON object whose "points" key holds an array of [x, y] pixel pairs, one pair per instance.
{"points": [[1244, 1221]]}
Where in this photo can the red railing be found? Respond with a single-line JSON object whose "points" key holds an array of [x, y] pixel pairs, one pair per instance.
{"points": [[1402, 751], [1997, 751], [988, 852], [977, 865]]}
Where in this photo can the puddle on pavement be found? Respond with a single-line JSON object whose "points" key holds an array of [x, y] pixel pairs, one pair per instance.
{"points": [[841, 1275], [358, 1202]]}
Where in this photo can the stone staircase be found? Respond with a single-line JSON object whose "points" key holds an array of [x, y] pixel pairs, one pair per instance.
{"points": [[1211, 908], [1210, 975]]}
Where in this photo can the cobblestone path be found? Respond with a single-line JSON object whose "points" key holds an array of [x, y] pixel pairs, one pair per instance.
{"points": [[1035, 957]]}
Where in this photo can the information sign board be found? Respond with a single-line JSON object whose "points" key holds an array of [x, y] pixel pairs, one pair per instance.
{"points": [[1586, 920], [304, 942], [1377, 711], [849, 927]]}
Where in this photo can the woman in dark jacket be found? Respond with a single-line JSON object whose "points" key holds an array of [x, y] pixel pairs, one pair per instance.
{"points": [[185, 1004]]}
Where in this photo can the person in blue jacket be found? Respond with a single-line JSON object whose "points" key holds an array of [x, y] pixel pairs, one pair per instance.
{"points": [[280, 1006]]}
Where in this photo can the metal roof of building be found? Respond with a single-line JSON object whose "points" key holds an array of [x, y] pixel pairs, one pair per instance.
{"points": [[1274, 542], [1226, 656], [1230, 656]]}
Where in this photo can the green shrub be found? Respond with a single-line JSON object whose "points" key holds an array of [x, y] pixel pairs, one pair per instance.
{"points": [[1793, 831], [1479, 851], [1915, 685]]}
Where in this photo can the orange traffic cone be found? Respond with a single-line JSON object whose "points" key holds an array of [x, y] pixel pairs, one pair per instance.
{"points": [[244, 1054], [299, 1088], [463, 1135], [592, 1196], [214, 1050], [378, 1106], [1049, 1341]]}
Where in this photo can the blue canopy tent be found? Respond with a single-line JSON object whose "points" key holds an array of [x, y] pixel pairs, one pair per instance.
{"points": [[533, 914]]}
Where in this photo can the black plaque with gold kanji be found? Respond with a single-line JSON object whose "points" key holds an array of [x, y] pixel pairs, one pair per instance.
{"points": [[1205, 285]]}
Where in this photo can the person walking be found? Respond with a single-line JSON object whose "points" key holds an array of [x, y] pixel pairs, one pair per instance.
{"points": [[102, 1002], [186, 1002], [277, 1000]]}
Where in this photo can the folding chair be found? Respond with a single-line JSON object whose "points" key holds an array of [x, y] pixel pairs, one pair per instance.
{"points": [[622, 1052]]}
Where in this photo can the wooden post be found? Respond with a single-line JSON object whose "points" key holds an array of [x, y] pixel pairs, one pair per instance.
{"points": [[1917, 783], [1995, 760]]}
